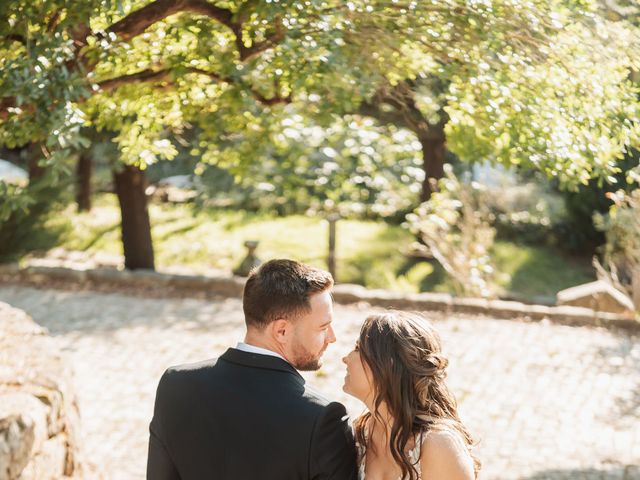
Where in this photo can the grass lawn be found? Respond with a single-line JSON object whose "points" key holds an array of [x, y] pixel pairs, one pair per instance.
{"points": [[370, 253]]}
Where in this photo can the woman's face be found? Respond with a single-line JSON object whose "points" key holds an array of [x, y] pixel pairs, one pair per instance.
{"points": [[358, 379]]}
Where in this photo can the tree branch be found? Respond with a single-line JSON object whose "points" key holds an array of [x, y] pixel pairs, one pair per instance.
{"points": [[137, 22], [163, 74], [392, 117], [246, 53], [401, 112], [53, 21], [213, 75], [16, 37], [245, 10], [257, 95], [203, 7], [143, 76], [5, 104], [271, 101]]}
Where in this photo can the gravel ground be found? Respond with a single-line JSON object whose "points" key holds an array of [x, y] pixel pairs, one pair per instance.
{"points": [[545, 401]]}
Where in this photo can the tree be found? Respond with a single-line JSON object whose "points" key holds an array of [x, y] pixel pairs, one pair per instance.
{"points": [[148, 70], [547, 86], [132, 67], [352, 167]]}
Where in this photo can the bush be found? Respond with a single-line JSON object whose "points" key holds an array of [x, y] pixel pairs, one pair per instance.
{"points": [[527, 213], [578, 232], [455, 226], [621, 252], [22, 229]]}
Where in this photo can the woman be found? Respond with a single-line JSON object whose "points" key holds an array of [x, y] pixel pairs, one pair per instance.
{"points": [[411, 430]]}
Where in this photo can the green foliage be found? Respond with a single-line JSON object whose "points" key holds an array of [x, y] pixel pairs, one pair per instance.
{"points": [[535, 273], [455, 226], [621, 226], [369, 253], [38, 76], [352, 167], [15, 199], [547, 86], [578, 231], [541, 84], [23, 225], [527, 212], [572, 113], [525, 81]]}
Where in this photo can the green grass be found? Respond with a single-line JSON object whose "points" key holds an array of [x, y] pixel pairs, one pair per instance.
{"points": [[537, 272], [369, 253]]}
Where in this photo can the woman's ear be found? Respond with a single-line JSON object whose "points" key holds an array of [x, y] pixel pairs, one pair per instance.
{"points": [[281, 331]]}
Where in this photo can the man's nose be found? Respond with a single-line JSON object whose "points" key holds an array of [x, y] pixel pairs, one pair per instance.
{"points": [[332, 335]]}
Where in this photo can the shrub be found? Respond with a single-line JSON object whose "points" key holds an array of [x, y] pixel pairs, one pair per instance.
{"points": [[621, 252], [455, 226]]}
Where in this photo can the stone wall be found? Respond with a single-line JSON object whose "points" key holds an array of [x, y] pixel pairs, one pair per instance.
{"points": [[162, 285], [38, 411]]}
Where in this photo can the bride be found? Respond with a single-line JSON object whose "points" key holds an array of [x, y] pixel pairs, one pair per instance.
{"points": [[411, 430]]}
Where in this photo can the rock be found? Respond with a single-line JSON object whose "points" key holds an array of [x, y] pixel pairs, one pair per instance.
{"points": [[38, 413], [598, 296], [16, 442]]}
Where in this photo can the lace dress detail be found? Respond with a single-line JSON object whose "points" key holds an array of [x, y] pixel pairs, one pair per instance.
{"points": [[414, 456], [414, 453]]}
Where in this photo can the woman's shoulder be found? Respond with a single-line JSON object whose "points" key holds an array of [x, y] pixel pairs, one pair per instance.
{"points": [[445, 455], [445, 439]]}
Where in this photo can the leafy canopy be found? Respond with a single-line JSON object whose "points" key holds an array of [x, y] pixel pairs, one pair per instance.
{"points": [[544, 84]]}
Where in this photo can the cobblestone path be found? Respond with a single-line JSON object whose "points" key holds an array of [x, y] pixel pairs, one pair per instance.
{"points": [[546, 401]]}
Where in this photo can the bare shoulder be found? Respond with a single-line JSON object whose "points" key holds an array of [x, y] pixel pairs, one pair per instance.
{"points": [[445, 456]]}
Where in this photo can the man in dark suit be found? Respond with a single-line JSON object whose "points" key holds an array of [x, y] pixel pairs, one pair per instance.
{"points": [[248, 414]]}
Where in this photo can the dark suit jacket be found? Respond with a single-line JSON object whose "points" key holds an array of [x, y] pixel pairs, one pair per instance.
{"points": [[246, 416]]}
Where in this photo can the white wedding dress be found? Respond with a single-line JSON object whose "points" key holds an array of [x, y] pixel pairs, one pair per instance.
{"points": [[414, 453], [414, 457]]}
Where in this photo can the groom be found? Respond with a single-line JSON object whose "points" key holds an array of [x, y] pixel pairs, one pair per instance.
{"points": [[248, 414]]}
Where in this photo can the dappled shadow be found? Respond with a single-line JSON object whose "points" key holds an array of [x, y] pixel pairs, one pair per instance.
{"points": [[623, 360], [95, 313], [629, 408], [20, 235], [176, 230], [376, 265], [542, 275], [435, 278], [99, 233], [619, 472]]}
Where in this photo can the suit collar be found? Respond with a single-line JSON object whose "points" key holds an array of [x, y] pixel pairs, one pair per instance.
{"points": [[256, 360]]}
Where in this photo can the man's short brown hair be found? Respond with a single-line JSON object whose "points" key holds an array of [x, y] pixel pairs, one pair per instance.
{"points": [[281, 289]]}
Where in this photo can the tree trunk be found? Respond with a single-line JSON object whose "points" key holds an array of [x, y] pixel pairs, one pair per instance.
{"points": [[635, 286], [434, 153], [136, 230], [83, 181], [331, 258], [35, 154]]}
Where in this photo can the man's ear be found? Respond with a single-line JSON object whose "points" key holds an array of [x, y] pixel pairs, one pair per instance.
{"points": [[281, 330]]}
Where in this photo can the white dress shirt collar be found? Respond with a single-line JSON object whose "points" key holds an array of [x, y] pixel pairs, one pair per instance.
{"points": [[245, 347]]}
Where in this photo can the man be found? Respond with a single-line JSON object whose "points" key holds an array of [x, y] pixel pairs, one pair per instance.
{"points": [[248, 414]]}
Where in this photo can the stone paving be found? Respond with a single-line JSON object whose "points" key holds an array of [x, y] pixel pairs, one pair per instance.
{"points": [[546, 401]]}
